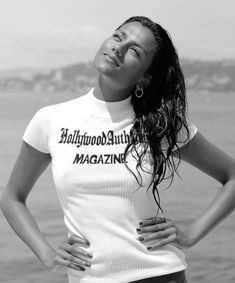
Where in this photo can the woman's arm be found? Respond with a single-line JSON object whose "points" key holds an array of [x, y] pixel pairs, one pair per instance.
{"points": [[213, 161], [28, 167]]}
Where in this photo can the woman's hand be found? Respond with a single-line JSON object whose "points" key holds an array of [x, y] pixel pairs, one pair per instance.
{"points": [[161, 231], [70, 254]]}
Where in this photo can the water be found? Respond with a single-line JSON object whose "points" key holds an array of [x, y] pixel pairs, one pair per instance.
{"points": [[212, 260]]}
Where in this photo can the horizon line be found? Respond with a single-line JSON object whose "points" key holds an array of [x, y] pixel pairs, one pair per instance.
{"points": [[230, 61]]}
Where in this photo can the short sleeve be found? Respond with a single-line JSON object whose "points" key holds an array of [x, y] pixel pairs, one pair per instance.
{"points": [[182, 137], [37, 131]]}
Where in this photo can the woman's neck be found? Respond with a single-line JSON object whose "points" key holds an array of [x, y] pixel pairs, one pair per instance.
{"points": [[105, 90]]}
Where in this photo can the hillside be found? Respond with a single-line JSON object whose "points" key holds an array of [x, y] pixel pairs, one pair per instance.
{"points": [[199, 75]]}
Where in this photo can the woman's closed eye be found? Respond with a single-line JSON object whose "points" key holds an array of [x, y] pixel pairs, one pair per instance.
{"points": [[135, 51], [117, 36]]}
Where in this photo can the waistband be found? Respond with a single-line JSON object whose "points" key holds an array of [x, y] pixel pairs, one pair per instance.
{"points": [[177, 277]]}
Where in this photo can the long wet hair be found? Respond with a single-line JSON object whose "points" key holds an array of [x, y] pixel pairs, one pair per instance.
{"points": [[160, 114]]}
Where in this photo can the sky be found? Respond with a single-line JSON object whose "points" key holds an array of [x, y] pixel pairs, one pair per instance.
{"points": [[55, 33]]}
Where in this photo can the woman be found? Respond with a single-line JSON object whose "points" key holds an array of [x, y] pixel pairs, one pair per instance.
{"points": [[107, 149]]}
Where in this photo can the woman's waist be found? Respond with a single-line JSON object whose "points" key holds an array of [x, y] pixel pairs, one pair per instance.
{"points": [[115, 257], [110, 243]]}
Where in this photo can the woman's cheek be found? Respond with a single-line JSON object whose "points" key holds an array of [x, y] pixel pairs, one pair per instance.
{"points": [[127, 71]]}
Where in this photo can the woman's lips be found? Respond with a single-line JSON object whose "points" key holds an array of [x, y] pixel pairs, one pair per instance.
{"points": [[111, 59]]}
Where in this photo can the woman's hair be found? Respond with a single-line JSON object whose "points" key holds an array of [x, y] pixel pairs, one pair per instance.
{"points": [[160, 114]]}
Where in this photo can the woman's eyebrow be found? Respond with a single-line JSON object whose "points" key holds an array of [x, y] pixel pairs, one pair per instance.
{"points": [[137, 44]]}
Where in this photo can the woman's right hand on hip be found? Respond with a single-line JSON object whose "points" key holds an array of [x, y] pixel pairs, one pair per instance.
{"points": [[70, 254]]}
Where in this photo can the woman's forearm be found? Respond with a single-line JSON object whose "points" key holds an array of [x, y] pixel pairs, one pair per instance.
{"points": [[23, 223], [220, 207]]}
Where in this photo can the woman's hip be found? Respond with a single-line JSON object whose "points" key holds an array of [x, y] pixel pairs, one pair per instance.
{"points": [[177, 277]]}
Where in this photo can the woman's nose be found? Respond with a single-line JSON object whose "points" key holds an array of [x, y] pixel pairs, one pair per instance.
{"points": [[118, 51]]}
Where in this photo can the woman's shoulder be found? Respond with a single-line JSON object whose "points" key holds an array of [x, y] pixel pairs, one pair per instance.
{"points": [[64, 108], [184, 135]]}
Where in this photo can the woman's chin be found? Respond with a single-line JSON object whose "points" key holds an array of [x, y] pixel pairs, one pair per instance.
{"points": [[104, 68]]}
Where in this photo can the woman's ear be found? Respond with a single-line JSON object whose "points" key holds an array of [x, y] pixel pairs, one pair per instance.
{"points": [[144, 81], [147, 80]]}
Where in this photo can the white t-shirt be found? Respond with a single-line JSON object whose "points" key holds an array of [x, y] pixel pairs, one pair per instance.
{"points": [[86, 138]]}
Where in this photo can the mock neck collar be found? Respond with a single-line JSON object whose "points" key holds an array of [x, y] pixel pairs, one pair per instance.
{"points": [[104, 109]]}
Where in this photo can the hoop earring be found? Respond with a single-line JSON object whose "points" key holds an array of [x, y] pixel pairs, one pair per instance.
{"points": [[139, 92]]}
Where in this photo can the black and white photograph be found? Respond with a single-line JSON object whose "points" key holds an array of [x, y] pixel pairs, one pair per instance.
{"points": [[117, 141]]}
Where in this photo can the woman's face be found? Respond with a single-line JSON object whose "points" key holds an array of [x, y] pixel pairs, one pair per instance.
{"points": [[126, 55]]}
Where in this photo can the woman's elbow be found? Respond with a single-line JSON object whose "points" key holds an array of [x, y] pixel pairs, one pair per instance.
{"points": [[232, 177], [229, 177], [4, 200], [7, 199]]}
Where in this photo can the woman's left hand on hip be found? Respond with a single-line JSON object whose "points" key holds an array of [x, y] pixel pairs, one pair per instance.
{"points": [[164, 231]]}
